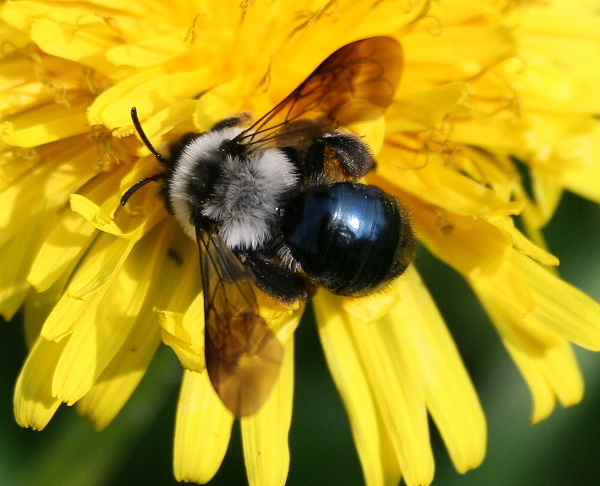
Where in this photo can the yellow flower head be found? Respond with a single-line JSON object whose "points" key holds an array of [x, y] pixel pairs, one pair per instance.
{"points": [[490, 90]]}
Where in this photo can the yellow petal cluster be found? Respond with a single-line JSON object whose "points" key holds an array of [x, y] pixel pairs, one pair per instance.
{"points": [[491, 91]]}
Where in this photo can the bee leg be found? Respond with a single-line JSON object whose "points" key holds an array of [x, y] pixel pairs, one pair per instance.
{"points": [[338, 156], [277, 280]]}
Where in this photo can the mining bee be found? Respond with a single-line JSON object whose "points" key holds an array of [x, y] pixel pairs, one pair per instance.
{"points": [[276, 206]]}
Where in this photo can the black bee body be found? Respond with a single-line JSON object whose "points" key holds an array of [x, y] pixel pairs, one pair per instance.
{"points": [[350, 238]]}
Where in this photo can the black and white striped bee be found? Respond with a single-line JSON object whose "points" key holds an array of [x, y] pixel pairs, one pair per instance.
{"points": [[276, 206]]}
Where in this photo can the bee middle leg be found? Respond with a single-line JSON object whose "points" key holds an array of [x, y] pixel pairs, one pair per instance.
{"points": [[278, 280]]}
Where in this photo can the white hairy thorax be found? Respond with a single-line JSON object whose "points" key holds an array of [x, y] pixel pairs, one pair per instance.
{"points": [[246, 196]]}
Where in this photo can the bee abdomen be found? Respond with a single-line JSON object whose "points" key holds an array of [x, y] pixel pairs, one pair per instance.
{"points": [[350, 238]]}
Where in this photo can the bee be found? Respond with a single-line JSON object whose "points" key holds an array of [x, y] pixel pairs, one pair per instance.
{"points": [[275, 206]]}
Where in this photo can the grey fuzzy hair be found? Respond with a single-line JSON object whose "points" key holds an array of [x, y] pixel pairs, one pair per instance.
{"points": [[200, 150], [248, 195]]}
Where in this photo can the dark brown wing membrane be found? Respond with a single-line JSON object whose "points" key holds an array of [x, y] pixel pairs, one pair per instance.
{"points": [[243, 356], [356, 83]]}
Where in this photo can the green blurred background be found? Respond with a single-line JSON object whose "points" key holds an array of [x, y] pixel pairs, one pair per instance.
{"points": [[137, 447]]}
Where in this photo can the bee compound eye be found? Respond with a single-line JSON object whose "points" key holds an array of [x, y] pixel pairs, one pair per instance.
{"points": [[350, 238]]}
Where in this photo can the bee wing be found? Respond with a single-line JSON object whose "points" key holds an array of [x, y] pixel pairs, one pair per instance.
{"points": [[354, 84], [243, 356]]}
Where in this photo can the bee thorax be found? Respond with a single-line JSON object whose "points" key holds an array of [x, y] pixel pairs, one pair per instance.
{"points": [[239, 194], [246, 197]]}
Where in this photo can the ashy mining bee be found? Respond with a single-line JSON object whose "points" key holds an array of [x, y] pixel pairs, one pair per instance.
{"points": [[276, 206]]}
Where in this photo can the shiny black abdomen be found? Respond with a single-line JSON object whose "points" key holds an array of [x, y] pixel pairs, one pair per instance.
{"points": [[350, 238]]}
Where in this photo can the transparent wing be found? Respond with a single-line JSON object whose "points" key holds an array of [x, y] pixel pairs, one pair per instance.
{"points": [[356, 83], [243, 356]]}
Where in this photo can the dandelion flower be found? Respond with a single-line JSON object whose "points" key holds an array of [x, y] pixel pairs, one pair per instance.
{"points": [[490, 90]]}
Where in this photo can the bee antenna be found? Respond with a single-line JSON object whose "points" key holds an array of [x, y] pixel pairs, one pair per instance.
{"points": [[159, 157], [138, 185], [140, 130]]}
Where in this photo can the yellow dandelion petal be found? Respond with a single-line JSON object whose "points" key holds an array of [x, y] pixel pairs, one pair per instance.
{"points": [[535, 326], [105, 259], [520, 242], [551, 373], [585, 180], [122, 375], [48, 124], [560, 147], [185, 334], [148, 93], [108, 103], [80, 34], [34, 402], [439, 184], [18, 40], [25, 160], [527, 292], [372, 307], [100, 332], [68, 313], [389, 374], [426, 110], [505, 135], [38, 306], [372, 132], [13, 285], [182, 327], [477, 47], [24, 94], [448, 390], [71, 236], [74, 42], [219, 103], [467, 244], [202, 430], [148, 52], [108, 215], [375, 449], [21, 14], [55, 180], [558, 47], [177, 115], [265, 434]]}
